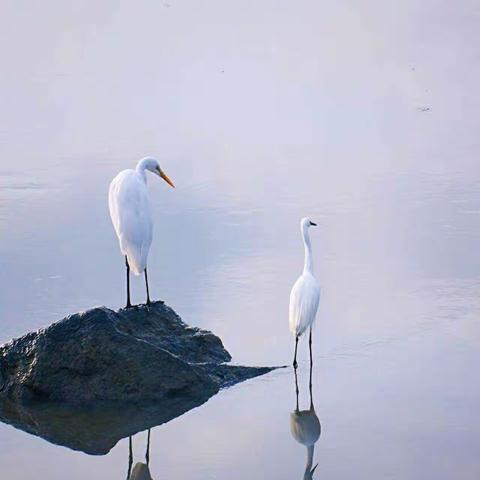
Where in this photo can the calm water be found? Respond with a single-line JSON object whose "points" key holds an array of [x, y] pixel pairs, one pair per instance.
{"points": [[261, 114]]}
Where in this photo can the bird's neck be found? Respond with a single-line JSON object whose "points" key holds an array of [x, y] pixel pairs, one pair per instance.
{"points": [[308, 265], [140, 169]]}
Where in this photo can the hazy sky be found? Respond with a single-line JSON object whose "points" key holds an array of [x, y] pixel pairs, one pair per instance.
{"points": [[231, 82]]}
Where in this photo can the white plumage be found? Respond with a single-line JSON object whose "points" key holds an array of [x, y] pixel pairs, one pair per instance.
{"points": [[131, 215], [304, 300], [305, 294]]}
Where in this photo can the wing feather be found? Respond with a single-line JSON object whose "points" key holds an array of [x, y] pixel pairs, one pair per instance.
{"points": [[131, 217], [304, 300]]}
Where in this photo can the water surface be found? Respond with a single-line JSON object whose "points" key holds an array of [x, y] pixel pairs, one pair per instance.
{"points": [[261, 114]]}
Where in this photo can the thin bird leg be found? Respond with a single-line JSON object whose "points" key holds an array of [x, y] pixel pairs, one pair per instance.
{"points": [[297, 391], [128, 282], [310, 345], [146, 284], [147, 455], [130, 457], [295, 364], [310, 388]]}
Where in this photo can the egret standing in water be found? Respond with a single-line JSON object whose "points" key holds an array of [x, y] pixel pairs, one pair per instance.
{"points": [[305, 294], [131, 216]]}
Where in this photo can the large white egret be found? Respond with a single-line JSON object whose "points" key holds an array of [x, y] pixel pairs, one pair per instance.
{"points": [[132, 217], [305, 294]]}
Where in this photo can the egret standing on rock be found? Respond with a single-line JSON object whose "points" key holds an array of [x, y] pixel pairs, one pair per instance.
{"points": [[305, 294], [132, 217]]}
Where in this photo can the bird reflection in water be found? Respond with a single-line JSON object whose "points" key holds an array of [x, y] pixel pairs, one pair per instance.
{"points": [[140, 471], [305, 427]]}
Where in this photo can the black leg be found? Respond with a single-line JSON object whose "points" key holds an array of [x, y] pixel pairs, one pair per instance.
{"points": [[296, 388], [130, 457], [295, 356], [146, 284], [310, 345], [310, 388], [147, 455], [128, 282]]}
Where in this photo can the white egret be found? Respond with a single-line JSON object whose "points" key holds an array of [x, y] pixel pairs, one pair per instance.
{"points": [[131, 216], [305, 294], [306, 429]]}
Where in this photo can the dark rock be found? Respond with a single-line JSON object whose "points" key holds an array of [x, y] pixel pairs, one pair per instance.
{"points": [[98, 376], [143, 354], [159, 325]]}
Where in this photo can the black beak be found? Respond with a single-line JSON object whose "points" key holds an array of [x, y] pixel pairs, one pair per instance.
{"points": [[313, 224]]}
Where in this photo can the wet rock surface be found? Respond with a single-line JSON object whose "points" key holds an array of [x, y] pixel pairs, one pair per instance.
{"points": [[142, 354]]}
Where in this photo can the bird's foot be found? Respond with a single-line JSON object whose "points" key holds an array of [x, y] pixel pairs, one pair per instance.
{"points": [[129, 305]]}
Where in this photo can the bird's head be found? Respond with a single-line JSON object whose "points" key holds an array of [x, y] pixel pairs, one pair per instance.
{"points": [[153, 166], [307, 223]]}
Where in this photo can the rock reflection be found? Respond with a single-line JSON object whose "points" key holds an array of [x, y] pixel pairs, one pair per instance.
{"points": [[305, 427], [95, 430]]}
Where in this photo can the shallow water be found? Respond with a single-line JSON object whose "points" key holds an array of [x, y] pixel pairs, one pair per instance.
{"points": [[261, 114]]}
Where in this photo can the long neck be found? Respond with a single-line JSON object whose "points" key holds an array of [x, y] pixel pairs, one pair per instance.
{"points": [[141, 169], [308, 265]]}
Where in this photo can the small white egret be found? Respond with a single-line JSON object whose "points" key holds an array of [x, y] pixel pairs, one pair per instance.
{"points": [[131, 216], [305, 294]]}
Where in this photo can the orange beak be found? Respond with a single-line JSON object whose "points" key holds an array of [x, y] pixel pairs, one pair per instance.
{"points": [[164, 176]]}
